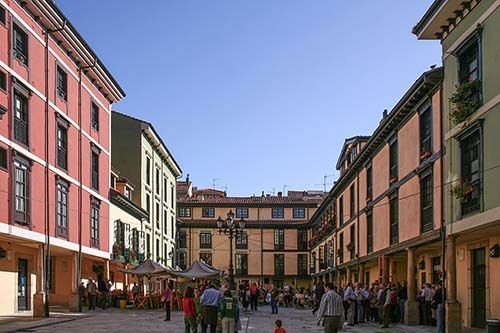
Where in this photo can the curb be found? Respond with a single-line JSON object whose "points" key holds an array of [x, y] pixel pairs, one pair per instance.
{"points": [[23, 329]]}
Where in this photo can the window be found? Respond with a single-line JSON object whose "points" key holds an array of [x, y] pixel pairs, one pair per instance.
{"points": [[369, 232], [62, 83], [205, 240], [22, 191], [62, 146], [165, 189], [21, 119], [242, 240], [94, 116], [279, 265], [62, 209], [394, 218], [206, 258], [208, 212], [148, 204], [20, 44], [369, 182], [470, 159], [341, 248], [158, 258], [468, 61], [182, 260], [426, 201], [242, 213], [426, 131], [148, 246], [172, 196], [128, 193], [302, 239], [279, 239], [302, 265], [165, 221], [321, 255], [299, 213], [182, 241], [3, 158], [241, 263], [2, 15], [352, 204], [341, 210], [352, 244], [184, 212], [148, 170], [312, 263], [354, 152], [3, 81], [157, 215], [393, 159], [95, 169], [94, 223], [278, 213], [157, 180], [172, 226]]}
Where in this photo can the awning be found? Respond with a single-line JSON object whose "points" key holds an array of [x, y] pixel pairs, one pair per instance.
{"points": [[197, 270], [147, 267]]}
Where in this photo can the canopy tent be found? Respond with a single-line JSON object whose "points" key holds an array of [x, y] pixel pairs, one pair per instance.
{"points": [[197, 270], [148, 267]]}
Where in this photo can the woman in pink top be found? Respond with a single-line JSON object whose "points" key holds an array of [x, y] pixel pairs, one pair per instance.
{"points": [[167, 298], [189, 309]]}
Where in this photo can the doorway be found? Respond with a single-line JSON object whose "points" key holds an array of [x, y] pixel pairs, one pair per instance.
{"points": [[479, 288], [23, 298]]}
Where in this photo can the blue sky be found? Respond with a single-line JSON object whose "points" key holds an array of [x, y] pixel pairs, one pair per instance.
{"points": [[258, 94]]}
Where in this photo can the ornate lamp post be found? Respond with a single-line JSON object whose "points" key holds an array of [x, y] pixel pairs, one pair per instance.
{"points": [[229, 228]]}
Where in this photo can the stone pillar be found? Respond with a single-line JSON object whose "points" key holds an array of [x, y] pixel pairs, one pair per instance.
{"points": [[361, 274], [74, 296], [384, 262], [453, 309], [411, 305], [348, 275], [392, 270], [39, 296]]}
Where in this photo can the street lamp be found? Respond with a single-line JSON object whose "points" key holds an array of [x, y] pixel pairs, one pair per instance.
{"points": [[230, 228]]}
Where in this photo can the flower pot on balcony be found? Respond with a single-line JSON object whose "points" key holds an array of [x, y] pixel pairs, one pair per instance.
{"points": [[465, 100]]}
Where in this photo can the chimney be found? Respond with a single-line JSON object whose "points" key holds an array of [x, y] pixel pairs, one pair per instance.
{"points": [[384, 115], [187, 178], [263, 195], [280, 194]]}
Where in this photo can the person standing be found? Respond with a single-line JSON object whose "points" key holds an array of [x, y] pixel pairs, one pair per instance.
{"points": [[92, 291], [135, 290], [330, 309], [319, 291], [358, 293], [189, 309], [426, 309], [385, 302], [275, 293], [228, 313], [167, 297], [102, 286], [210, 302], [350, 298], [402, 297], [437, 303], [254, 296]]}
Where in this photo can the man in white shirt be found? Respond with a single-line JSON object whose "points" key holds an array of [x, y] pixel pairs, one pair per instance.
{"points": [[330, 310]]}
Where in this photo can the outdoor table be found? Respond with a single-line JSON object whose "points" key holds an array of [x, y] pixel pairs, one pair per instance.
{"points": [[141, 302]]}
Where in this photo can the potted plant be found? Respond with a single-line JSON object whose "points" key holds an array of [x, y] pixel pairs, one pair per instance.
{"points": [[465, 100], [425, 153], [117, 249], [462, 189]]}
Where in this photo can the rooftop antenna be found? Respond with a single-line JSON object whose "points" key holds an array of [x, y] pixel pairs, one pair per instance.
{"points": [[214, 181], [284, 188], [325, 177]]}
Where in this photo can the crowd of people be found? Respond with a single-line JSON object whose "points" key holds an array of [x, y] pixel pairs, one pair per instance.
{"points": [[378, 302]]}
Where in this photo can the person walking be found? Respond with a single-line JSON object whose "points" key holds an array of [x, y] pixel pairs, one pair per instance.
{"points": [[92, 291], [330, 310], [319, 291], [103, 288], [437, 303], [167, 297], [228, 312], [210, 302], [254, 296], [190, 313]]}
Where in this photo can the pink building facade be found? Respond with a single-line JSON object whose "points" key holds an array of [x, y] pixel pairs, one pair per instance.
{"points": [[382, 219], [55, 112]]}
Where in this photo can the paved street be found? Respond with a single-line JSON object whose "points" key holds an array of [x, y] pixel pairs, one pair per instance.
{"points": [[115, 320]]}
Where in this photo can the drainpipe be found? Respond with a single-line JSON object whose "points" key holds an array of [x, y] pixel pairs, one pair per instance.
{"points": [[357, 229], [46, 194], [443, 225], [80, 181]]}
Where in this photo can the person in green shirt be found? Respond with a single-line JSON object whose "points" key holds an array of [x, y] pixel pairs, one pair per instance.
{"points": [[228, 312]]}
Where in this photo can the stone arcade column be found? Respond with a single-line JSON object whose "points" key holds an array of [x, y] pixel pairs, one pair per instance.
{"points": [[361, 275], [74, 296], [411, 305], [39, 296], [348, 275], [453, 309]]}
